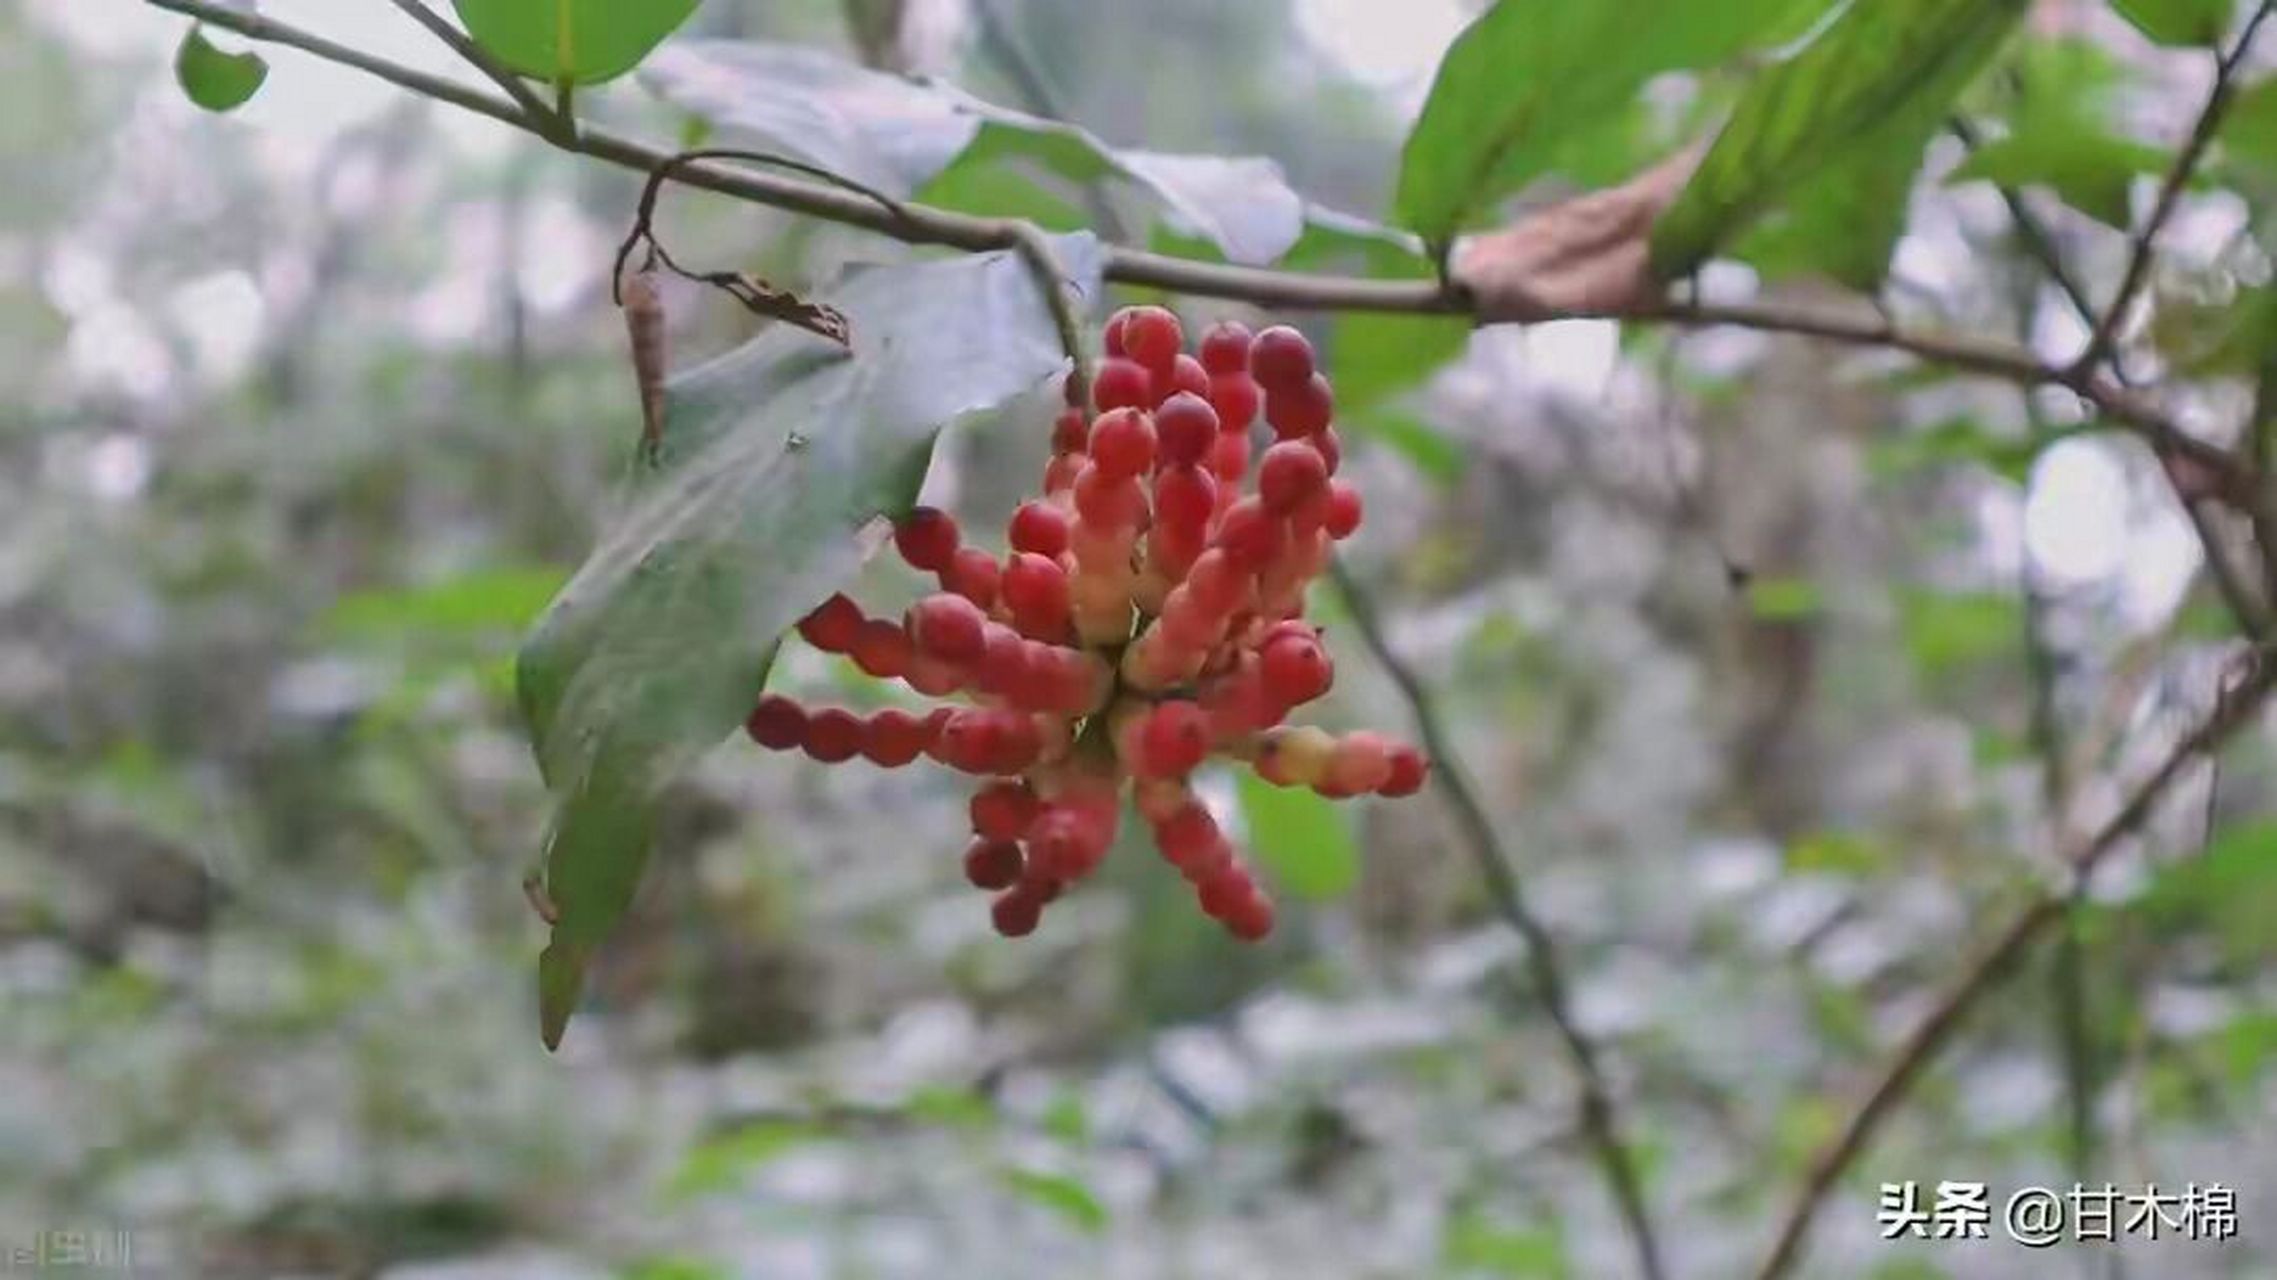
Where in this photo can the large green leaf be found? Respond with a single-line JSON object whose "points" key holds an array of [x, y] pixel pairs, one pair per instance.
{"points": [[215, 80], [2178, 22], [1874, 64], [774, 457], [1304, 839], [934, 141], [2060, 116], [1528, 75], [1844, 221], [577, 41]]}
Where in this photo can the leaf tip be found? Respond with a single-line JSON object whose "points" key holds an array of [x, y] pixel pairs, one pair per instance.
{"points": [[561, 978]]}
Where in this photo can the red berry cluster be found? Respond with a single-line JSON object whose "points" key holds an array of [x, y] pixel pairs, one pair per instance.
{"points": [[1150, 614]]}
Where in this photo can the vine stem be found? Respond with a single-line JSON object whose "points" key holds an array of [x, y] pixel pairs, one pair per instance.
{"points": [[2233, 710], [2106, 332], [1261, 286], [1599, 1120]]}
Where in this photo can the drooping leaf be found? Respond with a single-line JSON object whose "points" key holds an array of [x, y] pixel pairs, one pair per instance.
{"points": [[1061, 1194], [213, 79], [1301, 837], [2178, 22], [930, 140], [773, 458], [1528, 75], [1587, 255], [577, 41], [1873, 64]]}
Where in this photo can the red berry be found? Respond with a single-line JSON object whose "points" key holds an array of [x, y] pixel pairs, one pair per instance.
{"points": [[1003, 662], [833, 735], [1185, 498], [1280, 357], [972, 573], [893, 737], [1249, 537], [777, 723], [1040, 527], [1223, 893], [947, 627], [1152, 336], [1296, 670], [833, 624], [926, 538], [1171, 549], [1331, 447], [1035, 589], [1229, 457], [1289, 473], [1109, 502], [1071, 431], [1060, 473], [1224, 347], [1215, 584], [1122, 443], [1236, 398], [1300, 408], [1343, 515], [1251, 917], [1111, 338], [1408, 770], [993, 864], [1059, 843], [1003, 809], [1186, 375], [1015, 913], [881, 649], [1121, 384], [1174, 739], [1188, 836], [1185, 427], [1360, 762]]}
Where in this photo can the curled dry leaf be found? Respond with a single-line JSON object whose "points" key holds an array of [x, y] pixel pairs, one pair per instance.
{"points": [[644, 325], [1586, 256]]}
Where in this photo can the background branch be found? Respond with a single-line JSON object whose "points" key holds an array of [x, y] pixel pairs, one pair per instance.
{"points": [[2232, 711], [1599, 1121], [555, 126], [2170, 192]]}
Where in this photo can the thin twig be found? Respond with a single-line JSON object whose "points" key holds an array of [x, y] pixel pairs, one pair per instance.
{"points": [[2037, 240], [1060, 295], [1264, 287], [2170, 192], [1929, 1036], [554, 124], [1598, 1118]]}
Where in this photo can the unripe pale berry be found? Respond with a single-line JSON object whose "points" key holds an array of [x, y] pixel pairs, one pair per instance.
{"points": [[1360, 762], [1280, 356], [1296, 756], [1185, 428], [1122, 443], [777, 723], [927, 537], [1224, 347], [1040, 527], [1288, 474], [1121, 384], [833, 624]]}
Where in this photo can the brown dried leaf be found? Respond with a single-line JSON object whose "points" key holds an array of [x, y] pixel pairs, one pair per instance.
{"points": [[1585, 256]]}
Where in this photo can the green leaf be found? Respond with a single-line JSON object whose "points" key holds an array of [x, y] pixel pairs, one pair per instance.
{"points": [[1528, 75], [935, 142], [573, 41], [1948, 631], [1061, 1194], [2178, 22], [1875, 64], [774, 457], [2231, 886], [1474, 1243], [721, 1162], [215, 80], [1844, 221], [506, 596], [2060, 132], [1956, 441], [1783, 599], [1843, 852], [1301, 836]]}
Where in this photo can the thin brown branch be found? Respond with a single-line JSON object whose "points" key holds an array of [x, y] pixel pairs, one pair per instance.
{"points": [[2031, 233], [553, 125], [1263, 287], [1920, 1047], [1064, 302], [1599, 1121], [2100, 343]]}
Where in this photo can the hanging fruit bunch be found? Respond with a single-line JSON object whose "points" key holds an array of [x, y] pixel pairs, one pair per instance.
{"points": [[1149, 616]]}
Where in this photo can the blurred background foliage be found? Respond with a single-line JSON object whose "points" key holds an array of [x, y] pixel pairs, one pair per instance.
{"points": [[306, 411]]}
